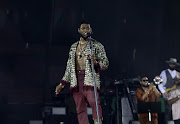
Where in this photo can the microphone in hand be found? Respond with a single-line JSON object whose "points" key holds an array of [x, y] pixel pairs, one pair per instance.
{"points": [[88, 34]]}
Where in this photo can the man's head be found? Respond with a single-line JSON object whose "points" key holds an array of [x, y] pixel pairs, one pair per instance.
{"points": [[172, 63], [84, 28], [172, 66], [144, 81]]}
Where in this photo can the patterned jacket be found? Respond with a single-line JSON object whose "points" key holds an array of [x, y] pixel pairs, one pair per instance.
{"points": [[100, 55]]}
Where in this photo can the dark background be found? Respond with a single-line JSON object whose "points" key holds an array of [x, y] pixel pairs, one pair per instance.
{"points": [[35, 37]]}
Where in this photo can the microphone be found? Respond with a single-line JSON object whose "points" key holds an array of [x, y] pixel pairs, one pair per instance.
{"points": [[88, 34]]}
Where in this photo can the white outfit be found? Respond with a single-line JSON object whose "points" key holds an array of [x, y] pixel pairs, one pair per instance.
{"points": [[173, 73], [175, 106]]}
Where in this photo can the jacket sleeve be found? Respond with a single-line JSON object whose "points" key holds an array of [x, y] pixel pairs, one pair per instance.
{"points": [[161, 86], [139, 95], [66, 77], [101, 57]]}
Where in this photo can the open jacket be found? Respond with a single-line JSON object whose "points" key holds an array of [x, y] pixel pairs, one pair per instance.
{"points": [[100, 55]]}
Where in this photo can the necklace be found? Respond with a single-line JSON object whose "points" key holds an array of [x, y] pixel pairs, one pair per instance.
{"points": [[81, 50], [85, 42]]}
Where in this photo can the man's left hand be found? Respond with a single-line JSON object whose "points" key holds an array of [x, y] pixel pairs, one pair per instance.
{"points": [[93, 58]]}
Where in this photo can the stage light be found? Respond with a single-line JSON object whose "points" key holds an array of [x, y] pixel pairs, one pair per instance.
{"points": [[35, 122], [58, 111]]}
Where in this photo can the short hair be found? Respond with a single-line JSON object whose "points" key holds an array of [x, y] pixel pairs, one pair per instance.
{"points": [[142, 76], [83, 22]]}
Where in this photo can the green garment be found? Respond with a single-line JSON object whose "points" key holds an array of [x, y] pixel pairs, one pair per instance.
{"points": [[161, 99]]}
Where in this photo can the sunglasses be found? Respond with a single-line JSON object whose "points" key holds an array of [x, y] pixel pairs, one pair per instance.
{"points": [[172, 63], [144, 80]]}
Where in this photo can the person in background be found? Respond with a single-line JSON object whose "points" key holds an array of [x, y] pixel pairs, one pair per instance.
{"points": [[169, 77], [147, 93], [174, 100]]}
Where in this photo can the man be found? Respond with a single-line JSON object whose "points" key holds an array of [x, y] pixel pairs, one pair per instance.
{"points": [[79, 73], [169, 77], [174, 99], [147, 93]]}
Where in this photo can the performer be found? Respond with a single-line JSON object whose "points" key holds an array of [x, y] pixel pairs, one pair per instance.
{"points": [[79, 74], [169, 77], [174, 99], [147, 93]]}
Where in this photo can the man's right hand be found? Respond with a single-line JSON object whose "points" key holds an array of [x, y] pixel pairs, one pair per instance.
{"points": [[58, 88], [151, 86]]}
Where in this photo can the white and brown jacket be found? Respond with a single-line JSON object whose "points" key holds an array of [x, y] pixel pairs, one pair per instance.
{"points": [[103, 63]]}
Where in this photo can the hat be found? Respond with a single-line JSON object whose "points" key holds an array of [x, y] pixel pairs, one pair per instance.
{"points": [[173, 60]]}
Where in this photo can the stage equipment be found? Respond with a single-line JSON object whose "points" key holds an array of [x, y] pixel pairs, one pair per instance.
{"points": [[126, 88], [149, 107], [93, 71]]}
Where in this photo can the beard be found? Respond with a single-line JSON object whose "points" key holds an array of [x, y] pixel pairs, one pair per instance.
{"points": [[172, 68], [84, 37], [143, 85]]}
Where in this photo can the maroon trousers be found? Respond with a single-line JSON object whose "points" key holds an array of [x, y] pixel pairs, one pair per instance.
{"points": [[81, 97]]}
